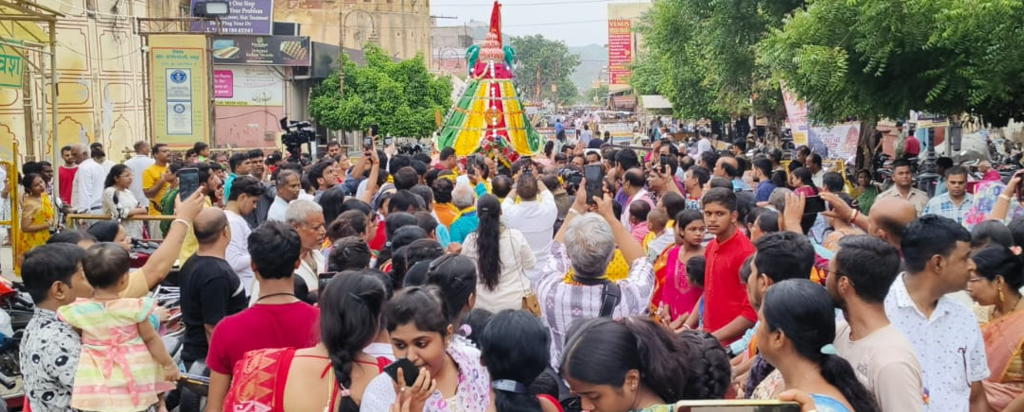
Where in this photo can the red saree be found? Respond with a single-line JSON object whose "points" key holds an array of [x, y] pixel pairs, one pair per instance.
{"points": [[1003, 338]]}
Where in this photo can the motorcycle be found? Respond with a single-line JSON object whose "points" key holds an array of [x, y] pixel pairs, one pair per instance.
{"points": [[140, 252], [190, 396], [17, 311], [882, 165]]}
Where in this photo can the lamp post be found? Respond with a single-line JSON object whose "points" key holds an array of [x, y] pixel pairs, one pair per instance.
{"points": [[928, 177]]}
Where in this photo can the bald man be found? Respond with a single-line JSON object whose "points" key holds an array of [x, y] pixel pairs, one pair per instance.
{"points": [[888, 218], [729, 168], [210, 289], [633, 185]]}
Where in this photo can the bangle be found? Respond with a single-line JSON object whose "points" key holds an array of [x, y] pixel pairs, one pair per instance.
{"points": [[187, 224], [573, 212], [853, 216], [1005, 197]]}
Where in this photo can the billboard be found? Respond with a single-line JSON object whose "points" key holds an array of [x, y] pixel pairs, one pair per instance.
{"points": [[178, 80], [620, 50], [262, 50], [248, 86], [244, 17]]}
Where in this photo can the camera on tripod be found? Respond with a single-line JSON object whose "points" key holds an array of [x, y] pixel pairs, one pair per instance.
{"points": [[295, 135]]}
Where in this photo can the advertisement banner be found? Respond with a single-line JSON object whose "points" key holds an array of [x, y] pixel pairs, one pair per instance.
{"points": [[839, 140], [251, 86], [796, 116], [178, 80], [223, 84], [261, 50], [11, 69], [620, 50], [244, 17]]}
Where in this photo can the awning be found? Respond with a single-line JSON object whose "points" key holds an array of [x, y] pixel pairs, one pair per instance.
{"points": [[19, 21], [653, 101]]}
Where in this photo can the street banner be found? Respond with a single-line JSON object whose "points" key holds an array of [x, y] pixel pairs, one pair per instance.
{"points": [[248, 86], [839, 140], [620, 50], [11, 68], [245, 17], [796, 115], [262, 50], [178, 80]]}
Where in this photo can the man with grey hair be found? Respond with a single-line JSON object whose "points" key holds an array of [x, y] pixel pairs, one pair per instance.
{"points": [[467, 221], [87, 189], [289, 184], [584, 247], [307, 218]]}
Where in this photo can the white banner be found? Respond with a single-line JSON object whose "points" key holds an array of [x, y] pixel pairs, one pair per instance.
{"points": [[251, 86]]}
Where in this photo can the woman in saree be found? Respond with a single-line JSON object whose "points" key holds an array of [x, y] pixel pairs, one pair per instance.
{"points": [[995, 285], [673, 296], [37, 217]]}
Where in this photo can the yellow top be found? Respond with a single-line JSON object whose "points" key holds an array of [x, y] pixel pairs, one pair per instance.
{"points": [[150, 176], [191, 244]]}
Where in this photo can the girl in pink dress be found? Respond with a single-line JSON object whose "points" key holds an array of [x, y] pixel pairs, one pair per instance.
{"points": [[674, 296]]}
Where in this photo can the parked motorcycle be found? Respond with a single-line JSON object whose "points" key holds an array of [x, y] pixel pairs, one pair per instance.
{"points": [[17, 310]]}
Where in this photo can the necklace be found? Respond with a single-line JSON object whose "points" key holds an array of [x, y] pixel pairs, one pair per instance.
{"points": [[1014, 308], [275, 294]]}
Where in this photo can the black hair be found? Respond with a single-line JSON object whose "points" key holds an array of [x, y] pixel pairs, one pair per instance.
{"points": [[28, 180], [833, 182], [199, 147], [397, 162], [425, 193], [348, 223], [427, 222], [784, 255], [65, 149], [237, 159], [356, 204], [447, 152], [501, 186], [114, 173], [455, 276], [685, 217], [105, 230], [639, 210], [443, 190], [764, 165], [779, 178], [721, 182], [420, 250], [349, 253], [997, 260], [602, 351], [814, 158], [274, 247], [331, 201], [527, 187], [898, 163], [945, 163], [991, 231], [1016, 227], [710, 158], [701, 173], [957, 171], [423, 306], [673, 203], [31, 167], [105, 263], [71, 236], [350, 308], [803, 311], [805, 176], [247, 185], [256, 153], [488, 241], [317, 171], [419, 166], [730, 170], [721, 196], [768, 221], [515, 346], [394, 221], [402, 201], [44, 265], [710, 368], [753, 214], [695, 270], [870, 263], [634, 177], [406, 178], [474, 323], [627, 159], [928, 236], [403, 237]]}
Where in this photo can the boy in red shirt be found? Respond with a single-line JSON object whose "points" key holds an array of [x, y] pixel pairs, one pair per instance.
{"points": [[727, 310]]}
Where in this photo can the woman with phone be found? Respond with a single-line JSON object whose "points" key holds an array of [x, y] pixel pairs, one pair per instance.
{"points": [[434, 373], [626, 365], [797, 328], [800, 180], [503, 281], [330, 376], [120, 203]]}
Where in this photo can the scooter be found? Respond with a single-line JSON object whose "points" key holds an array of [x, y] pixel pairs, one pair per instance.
{"points": [[17, 310]]}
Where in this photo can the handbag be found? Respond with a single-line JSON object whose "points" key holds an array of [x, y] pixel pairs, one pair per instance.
{"points": [[530, 303]]}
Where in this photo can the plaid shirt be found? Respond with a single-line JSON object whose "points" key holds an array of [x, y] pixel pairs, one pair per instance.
{"points": [[943, 206]]}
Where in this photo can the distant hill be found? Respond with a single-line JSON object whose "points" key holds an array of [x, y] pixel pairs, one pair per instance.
{"points": [[593, 58]]}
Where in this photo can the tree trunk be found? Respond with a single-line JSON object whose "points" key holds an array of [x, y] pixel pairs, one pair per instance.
{"points": [[866, 144]]}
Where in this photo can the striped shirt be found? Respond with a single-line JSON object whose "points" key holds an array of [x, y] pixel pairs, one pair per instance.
{"points": [[562, 303], [943, 205]]}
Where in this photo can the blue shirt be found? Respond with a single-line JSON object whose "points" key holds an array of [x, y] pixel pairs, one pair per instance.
{"points": [[559, 128], [764, 191], [943, 206], [463, 226], [738, 185], [227, 187]]}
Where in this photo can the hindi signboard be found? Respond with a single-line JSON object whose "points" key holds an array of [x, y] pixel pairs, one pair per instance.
{"points": [[620, 50], [245, 17], [250, 86], [11, 68], [262, 50], [178, 80]]}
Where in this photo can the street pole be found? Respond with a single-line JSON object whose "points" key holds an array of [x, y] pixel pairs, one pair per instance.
{"points": [[928, 177]]}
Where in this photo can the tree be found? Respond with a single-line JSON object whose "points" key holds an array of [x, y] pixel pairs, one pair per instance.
{"points": [[701, 56], [872, 59], [401, 97], [596, 95], [544, 62]]}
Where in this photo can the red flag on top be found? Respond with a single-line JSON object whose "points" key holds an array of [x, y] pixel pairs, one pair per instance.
{"points": [[496, 21]]}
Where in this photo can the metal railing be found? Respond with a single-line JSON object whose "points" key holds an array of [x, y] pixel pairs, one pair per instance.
{"points": [[12, 181], [71, 218]]}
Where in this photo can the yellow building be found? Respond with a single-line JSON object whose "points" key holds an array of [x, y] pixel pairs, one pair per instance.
{"points": [[402, 27]]}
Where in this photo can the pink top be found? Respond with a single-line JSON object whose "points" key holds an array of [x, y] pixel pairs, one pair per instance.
{"points": [[677, 293]]}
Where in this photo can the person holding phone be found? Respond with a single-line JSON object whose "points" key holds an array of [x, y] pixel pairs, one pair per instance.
{"points": [[449, 375]]}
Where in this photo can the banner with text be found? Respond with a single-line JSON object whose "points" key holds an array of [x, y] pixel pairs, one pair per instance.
{"points": [[244, 17], [620, 50], [796, 116], [11, 69], [178, 81], [840, 141], [248, 86], [261, 50]]}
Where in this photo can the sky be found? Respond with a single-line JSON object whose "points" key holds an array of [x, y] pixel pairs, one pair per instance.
{"points": [[577, 22]]}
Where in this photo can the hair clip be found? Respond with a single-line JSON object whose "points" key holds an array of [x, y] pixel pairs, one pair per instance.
{"points": [[829, 349], [506, 385], [356, 297], [466, 330]]}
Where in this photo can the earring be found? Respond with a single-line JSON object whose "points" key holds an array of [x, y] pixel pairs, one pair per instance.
{"points": [[1002, 298]]}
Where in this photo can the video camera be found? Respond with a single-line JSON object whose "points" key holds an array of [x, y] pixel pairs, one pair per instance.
{"points": [[295, 135], [572, 179]]}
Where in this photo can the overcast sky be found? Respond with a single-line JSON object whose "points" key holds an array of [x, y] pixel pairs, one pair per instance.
{"points": [[577, 22]]}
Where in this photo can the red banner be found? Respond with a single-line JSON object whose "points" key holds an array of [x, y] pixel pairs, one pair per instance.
{"points": [[620, 50]]}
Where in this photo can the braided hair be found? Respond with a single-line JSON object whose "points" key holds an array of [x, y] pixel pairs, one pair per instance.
{"points": [[710, 370], [350, 308]]}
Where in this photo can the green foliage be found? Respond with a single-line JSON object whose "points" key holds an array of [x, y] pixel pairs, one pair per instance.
{"points": [[596, 95], [700, 55], [401, 97], [870, 59], [551, 61]]}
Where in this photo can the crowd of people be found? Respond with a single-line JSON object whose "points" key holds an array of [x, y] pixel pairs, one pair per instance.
{"points": [[509, 286]]}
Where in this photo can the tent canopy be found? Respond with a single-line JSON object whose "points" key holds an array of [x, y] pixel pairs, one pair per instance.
{"points": [[655, 102]]}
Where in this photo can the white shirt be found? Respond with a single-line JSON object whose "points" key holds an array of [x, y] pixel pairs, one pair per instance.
{"points": [[819, 178], [238, 250], [138, 164], [513, 284], [107, 165], [949, 347], [585, 137], [536, 221], [308, 273], [660, 243], [87, 190], [278, 209], [703, 145]]}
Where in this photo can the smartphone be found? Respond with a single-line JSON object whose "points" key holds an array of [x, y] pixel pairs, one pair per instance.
{"points": [[595, 176], [409, 370], [324, 278], [387, 141], [814, 205], [188, 182], [736, 406], [374, 130], [367, 143], [195, 383], [1020, 187]]}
